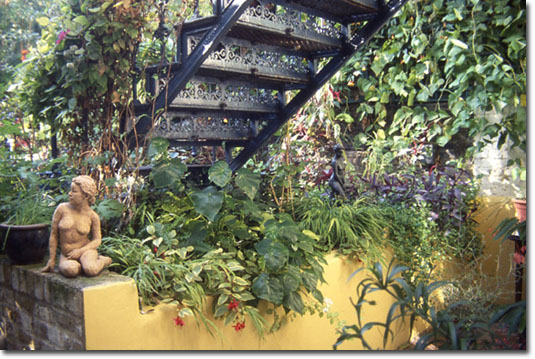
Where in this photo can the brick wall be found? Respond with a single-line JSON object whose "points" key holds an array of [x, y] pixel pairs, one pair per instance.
{"points": [[44, 311], [39, 311]]}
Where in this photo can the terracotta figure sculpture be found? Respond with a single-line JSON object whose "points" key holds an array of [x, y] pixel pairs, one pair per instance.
{"points": [[337, 180], [77, 228]]}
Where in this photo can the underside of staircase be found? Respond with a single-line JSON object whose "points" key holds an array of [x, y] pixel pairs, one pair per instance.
{"points": [[240, 73]]}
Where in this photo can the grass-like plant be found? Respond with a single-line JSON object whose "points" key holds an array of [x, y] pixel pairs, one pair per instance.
{"points": [[348, 227]]}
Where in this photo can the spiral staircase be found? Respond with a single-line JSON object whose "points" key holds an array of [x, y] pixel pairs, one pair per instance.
{"points": [[240, 73]]}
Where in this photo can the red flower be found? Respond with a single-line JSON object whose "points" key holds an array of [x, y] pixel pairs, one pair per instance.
{"points": [[62, 35], [155, 249], [179, 321], [233, 304], [336, 94], [239, 326]]}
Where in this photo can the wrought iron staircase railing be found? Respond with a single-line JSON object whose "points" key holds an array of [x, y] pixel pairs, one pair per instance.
{"points": [[244, 71]]}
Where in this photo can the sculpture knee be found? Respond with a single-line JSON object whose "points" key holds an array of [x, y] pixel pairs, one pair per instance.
{"points": [[70, 269], [91, 269]]}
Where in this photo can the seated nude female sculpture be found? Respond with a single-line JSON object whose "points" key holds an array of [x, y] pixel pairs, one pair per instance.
{"points": [[73, 224]]}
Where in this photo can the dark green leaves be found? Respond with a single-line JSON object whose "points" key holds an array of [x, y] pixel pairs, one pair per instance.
{"points": [[248, 182], [168, 173], [208, 202], [109, 208], [294, 302], [268, 288], [275, 254]]}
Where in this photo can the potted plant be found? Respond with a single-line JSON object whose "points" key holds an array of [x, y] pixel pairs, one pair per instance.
{"points": [[27, 212]]}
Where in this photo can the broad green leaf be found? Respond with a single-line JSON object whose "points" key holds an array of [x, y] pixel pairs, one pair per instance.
{"points": [[240, 281], [311, 234], [185, 312], [42, 21], [294, 302], [168, 173], [248, 182], [459, 43], [158, 145], [196, 269], [268, 288], [309, 280], [291, 280], [220, 173], [208, 202], [110, 208], [82, 20], [344, 117], [275, 254], [222, 299]]}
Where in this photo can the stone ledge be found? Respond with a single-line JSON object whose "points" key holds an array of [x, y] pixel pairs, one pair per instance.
{"points": [[32, 271]]}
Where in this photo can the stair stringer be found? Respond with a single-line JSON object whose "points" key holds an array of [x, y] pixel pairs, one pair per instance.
{"points": [[386, 12]]}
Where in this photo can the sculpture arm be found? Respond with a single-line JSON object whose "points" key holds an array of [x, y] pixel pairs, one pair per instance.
{"points": [[53, 241]]}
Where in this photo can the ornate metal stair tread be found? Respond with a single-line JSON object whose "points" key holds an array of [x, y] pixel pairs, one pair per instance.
{"points": [[180, 127], [343, 11], [213, 94], [230, 83], [240, 59], [286, 29]]}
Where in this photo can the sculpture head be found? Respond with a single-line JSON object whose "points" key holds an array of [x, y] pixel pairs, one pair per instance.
{"points": [[87, 189]]}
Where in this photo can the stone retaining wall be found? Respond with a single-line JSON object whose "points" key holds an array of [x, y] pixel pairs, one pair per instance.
{"points": [[43, 311]]}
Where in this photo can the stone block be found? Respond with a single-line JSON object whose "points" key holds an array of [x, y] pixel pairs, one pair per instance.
{"points": [[25, 302], [14, 279], [41, 344], [25, 320], [68, 322], [6, 295], [40, 329], [43, 312], [18, 340], [64, 296], [39, 288], [4, 270], [55, 335], [73, 344]]}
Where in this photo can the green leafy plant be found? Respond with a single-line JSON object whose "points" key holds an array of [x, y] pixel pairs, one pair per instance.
{"points": [[357, 227], [191, 243], [416, 301], [26, 198]]}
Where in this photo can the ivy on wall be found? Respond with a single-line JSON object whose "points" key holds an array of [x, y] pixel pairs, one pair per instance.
{"points": [[469, 55]]}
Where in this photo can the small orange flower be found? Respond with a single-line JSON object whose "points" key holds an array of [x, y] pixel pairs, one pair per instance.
{"points": [[23, 53]]}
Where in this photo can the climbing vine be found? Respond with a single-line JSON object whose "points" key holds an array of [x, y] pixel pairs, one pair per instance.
{"points": [[436, 70]]}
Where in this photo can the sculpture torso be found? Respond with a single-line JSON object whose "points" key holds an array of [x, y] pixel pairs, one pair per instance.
{"points": [[74, 228]]}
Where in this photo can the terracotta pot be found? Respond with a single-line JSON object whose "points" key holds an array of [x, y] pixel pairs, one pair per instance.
{"points": [[25, 244], [520, 207]]}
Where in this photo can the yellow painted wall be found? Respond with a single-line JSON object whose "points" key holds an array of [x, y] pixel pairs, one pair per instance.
{"points": [[114, 322]]}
